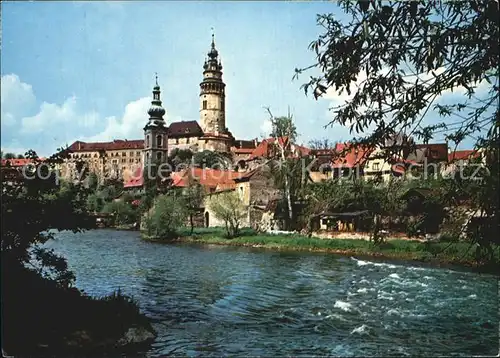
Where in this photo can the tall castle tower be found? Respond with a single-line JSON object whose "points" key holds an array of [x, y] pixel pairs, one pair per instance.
{"points": [[155, 132], [212, 105]]}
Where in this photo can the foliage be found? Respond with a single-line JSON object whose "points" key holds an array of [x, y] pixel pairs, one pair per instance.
{"points": [[40, 306], [323, 143], [404, 56], [93, 181], [122, 211], [283, 127], [193, 196], [8, 156], [228, 208], [95, 203], [410, 53], [166, 216], [180, 157], [284, 167], [212, 160]]}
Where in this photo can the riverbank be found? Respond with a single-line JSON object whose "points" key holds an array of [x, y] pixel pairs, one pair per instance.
{"points": [[436, 253], [45, 319]]}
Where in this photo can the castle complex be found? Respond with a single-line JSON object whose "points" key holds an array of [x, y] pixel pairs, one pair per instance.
{"points": [[121, 157]]}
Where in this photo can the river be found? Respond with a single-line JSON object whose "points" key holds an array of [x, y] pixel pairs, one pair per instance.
{"points": [[213, 301]]}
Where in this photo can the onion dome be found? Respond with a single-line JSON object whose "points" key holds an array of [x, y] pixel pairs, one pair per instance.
{"points": [[156, 111], [213, 53]]}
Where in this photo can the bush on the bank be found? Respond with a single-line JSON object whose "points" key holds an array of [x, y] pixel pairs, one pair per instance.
{"points": [[228, 208], [167, 216], [94, 203], [122, 212]]}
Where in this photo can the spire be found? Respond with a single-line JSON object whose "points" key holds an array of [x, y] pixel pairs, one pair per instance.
{"points": [[156, 111], [212, 54]]}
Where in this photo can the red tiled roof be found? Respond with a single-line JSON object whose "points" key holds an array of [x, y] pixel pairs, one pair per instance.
{"points": [[185, 129], [352, 157], [18, 162], [206, 177], [136, 179], [116, 144], [262, 150], [462, 155]]}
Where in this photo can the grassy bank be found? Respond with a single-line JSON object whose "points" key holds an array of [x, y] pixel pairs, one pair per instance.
{"points": [[458, 253]]}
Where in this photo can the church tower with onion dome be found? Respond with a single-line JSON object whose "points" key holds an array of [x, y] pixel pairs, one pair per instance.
{"points": [[155, 132], [216, 136]]}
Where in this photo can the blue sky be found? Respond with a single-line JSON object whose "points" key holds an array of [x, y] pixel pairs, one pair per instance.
{"points": [[85, 70]]}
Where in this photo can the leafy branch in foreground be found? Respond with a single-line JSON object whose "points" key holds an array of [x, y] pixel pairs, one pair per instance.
{"points": [[405, 55], [396, 59]]}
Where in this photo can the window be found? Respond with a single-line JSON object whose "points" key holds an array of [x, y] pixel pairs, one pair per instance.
{"points": [[158, 155], [159, 141], [204, 104], [222, 105], [375, 166], [187, 140], [147, 140], [138, 154], [124, 154], [124, 160], [176, 140], [131, 160]]}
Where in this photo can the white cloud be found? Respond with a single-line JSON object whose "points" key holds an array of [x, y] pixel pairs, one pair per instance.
{"points": [[129, 126], [52, 125], [17, 99], [52, 115]]}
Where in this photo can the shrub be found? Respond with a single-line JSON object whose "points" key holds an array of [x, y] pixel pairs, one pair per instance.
{"points": [[166, 217], [123, 212], [228, 208]]}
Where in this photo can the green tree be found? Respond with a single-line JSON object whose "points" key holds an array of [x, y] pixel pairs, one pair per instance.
{"points": [[284, 166], [20, 156], [194, 199], [166, 217], [323, 143], [283, 127], [40, 306], [404, 56], [9, 156], [410, 53], [180, 157], [94, 203], [93, 181], [122, 211], [213, 160], [228, 207]]}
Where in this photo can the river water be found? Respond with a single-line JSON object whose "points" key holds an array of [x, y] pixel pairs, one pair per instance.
{"points": [[213, 301]]}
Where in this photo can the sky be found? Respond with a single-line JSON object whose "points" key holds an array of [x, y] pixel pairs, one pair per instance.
{"points": [[85, 70]]}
